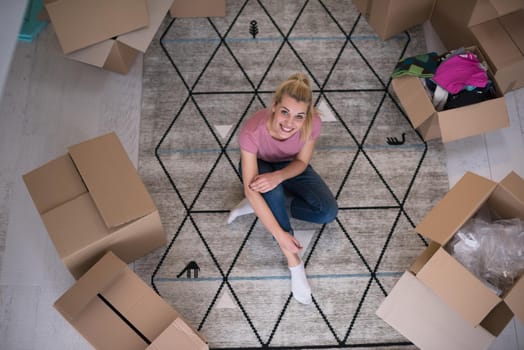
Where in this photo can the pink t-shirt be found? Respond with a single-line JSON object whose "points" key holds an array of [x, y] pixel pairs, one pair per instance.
{"points": [[255, 138]]}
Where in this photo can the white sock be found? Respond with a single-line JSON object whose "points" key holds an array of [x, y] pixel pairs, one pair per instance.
{"points": [[240, 209], [299, 284]]}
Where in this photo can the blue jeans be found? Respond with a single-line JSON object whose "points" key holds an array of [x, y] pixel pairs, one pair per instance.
{"points": [[312, 199]]}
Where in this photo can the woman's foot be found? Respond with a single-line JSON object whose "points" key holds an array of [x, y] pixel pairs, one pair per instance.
{"points": [[242, 208], [299, 284]]}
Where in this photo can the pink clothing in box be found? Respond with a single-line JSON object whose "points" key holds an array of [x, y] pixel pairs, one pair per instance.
{"points": [[459, 71]]}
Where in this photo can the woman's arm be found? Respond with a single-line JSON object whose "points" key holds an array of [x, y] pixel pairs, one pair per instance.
{"points": [[249, 172], [266, 182]]}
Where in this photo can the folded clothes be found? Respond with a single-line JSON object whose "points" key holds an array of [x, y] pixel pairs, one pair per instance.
{"points": [[423, 66], [459, 71]]}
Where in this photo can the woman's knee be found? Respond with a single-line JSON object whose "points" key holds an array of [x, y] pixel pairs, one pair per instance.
{"points": [[275, 195], [329, 212]]}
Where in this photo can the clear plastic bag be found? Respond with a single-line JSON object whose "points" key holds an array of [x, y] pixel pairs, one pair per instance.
{"points": [[492, 251]]}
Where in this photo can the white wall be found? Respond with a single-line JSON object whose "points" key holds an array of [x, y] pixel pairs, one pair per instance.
{"points": [[11, 16]]}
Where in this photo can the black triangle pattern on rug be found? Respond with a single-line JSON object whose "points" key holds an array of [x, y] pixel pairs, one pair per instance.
{"points": [[228, 72]]}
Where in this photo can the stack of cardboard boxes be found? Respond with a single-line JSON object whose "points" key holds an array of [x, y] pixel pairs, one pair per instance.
{"points": [[92, 202], [100, 217], [438, 303], [111, 33]]}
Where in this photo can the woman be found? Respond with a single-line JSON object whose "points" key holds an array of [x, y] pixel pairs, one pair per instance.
{"points": [[276, 146]]}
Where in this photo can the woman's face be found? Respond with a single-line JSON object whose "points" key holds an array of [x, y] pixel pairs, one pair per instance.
{"points": [[289, 116]]}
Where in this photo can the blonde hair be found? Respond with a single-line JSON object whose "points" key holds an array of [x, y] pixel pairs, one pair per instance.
{"points": [[298, 87]]}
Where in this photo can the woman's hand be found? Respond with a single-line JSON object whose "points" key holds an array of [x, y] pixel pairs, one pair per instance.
{"points": [[288, 243], [265, 182]]}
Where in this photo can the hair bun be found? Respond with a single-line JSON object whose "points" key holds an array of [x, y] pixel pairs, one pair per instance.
{"points": [[300, 77]]}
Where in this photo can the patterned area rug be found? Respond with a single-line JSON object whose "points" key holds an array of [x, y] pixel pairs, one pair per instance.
{"points": [[202, 78]]}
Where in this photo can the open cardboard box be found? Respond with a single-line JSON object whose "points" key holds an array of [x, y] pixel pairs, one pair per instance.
{"points": [[502, 43], [451, 124], [391, 17], [495, 26], [426, 320], [91, 200], [198, 8], [444, 279], [119, 53], [114, 309], [81, 23]]}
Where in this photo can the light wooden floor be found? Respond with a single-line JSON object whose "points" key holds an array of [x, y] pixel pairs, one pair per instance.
{"points": [[50, 103]]}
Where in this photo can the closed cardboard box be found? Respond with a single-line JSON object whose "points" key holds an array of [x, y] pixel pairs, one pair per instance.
{"points": [[392, 17], [91, 200], [119, 53], [114, 309], [81, 23], [198, 8]]}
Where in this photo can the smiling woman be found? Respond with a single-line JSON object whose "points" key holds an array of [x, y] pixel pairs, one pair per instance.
{"points": [[276, 146]]}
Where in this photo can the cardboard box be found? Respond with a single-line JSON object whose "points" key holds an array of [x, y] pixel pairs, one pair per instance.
{"points": [[118, 54], [451, 281], [91, 201], [392, 17], [114, 309], [440, 299], [198, 8], [451, 124], [427, 321], [81, 23], [362, 6], [452, 19], [502, 43]]}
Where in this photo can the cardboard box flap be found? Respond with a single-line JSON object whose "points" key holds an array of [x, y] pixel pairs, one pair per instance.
{"points": [[95, 54], [506, 6], [80, 23], [198, 8], [485, 10], [513, 24], [104, 329], [86, 288], [482, 11], [112, 180], [178, 336], [455, 208], [121, 58], [75, 225], [423, 258], [507, 201], [458, 287], [139, 304], [425, 319], [413, 98], [497, 44], [515, 299], [54, 184], [473, 120], [140, 39], [515, 184]]}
